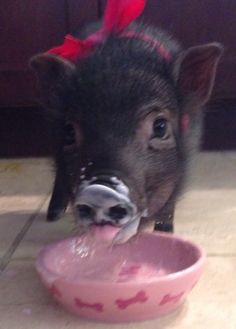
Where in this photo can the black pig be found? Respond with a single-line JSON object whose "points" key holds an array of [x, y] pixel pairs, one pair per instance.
{"points": [[126, 119]]}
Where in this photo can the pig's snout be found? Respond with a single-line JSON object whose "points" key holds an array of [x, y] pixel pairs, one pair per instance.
{"points": [[104, 200]]}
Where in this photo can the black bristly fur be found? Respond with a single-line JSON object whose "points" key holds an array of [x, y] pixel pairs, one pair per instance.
{"points": [[104, 97]]}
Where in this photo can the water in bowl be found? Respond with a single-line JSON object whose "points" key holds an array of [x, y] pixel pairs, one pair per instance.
{"points": [[91, 258]]}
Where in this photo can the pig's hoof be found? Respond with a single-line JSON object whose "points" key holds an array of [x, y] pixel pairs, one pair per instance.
{"points": [[55, 214], [164, 227]]}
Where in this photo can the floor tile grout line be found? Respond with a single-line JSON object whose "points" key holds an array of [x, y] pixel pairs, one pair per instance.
{"points": [[10, 251], [226, 255]]}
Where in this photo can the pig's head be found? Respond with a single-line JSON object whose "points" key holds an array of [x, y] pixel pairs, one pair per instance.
{"points": [[134, 114]]}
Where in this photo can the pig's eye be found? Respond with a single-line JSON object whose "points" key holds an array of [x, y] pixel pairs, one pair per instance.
{"points": [[155, 131], [160, 128]]}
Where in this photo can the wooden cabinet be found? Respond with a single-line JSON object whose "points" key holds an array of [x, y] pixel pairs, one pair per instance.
{"points": [[80, 13], [195, 22], [31, 26], [28, 27]]}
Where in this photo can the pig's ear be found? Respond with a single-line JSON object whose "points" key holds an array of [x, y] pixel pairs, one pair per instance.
{"points": [[195, 71], [55, 78]]}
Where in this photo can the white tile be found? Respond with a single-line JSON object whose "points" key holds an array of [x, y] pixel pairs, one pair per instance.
{"points": [[24, 185], [25, 177], [206, 212], [42, 233], [11, 225], [20, 285]]}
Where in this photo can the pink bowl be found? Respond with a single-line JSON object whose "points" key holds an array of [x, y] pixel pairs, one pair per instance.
{"points": [[149, 276]]}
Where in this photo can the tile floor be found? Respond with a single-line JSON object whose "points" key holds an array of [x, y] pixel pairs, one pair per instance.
{"points": [[206, 213]]}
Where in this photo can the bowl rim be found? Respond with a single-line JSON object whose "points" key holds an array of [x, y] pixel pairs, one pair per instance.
{"points": [[199, 264]]}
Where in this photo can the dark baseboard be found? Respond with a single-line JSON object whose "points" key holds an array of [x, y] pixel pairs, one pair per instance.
{"points": [[219, 131], [24, 132]]}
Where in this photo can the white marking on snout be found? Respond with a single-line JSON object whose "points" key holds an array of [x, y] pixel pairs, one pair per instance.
{"points": [[120, 186], [101, 196]]}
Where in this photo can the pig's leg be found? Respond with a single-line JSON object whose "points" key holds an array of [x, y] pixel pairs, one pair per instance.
{"points": [[66, 161], [60, 194], [165, 219]]}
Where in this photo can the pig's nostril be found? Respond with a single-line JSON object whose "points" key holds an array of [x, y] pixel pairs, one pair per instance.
{"points": [[84, 211], [117, 212]]}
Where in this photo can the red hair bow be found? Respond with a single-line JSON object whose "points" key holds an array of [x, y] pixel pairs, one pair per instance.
{"points": [[119, 14]]}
